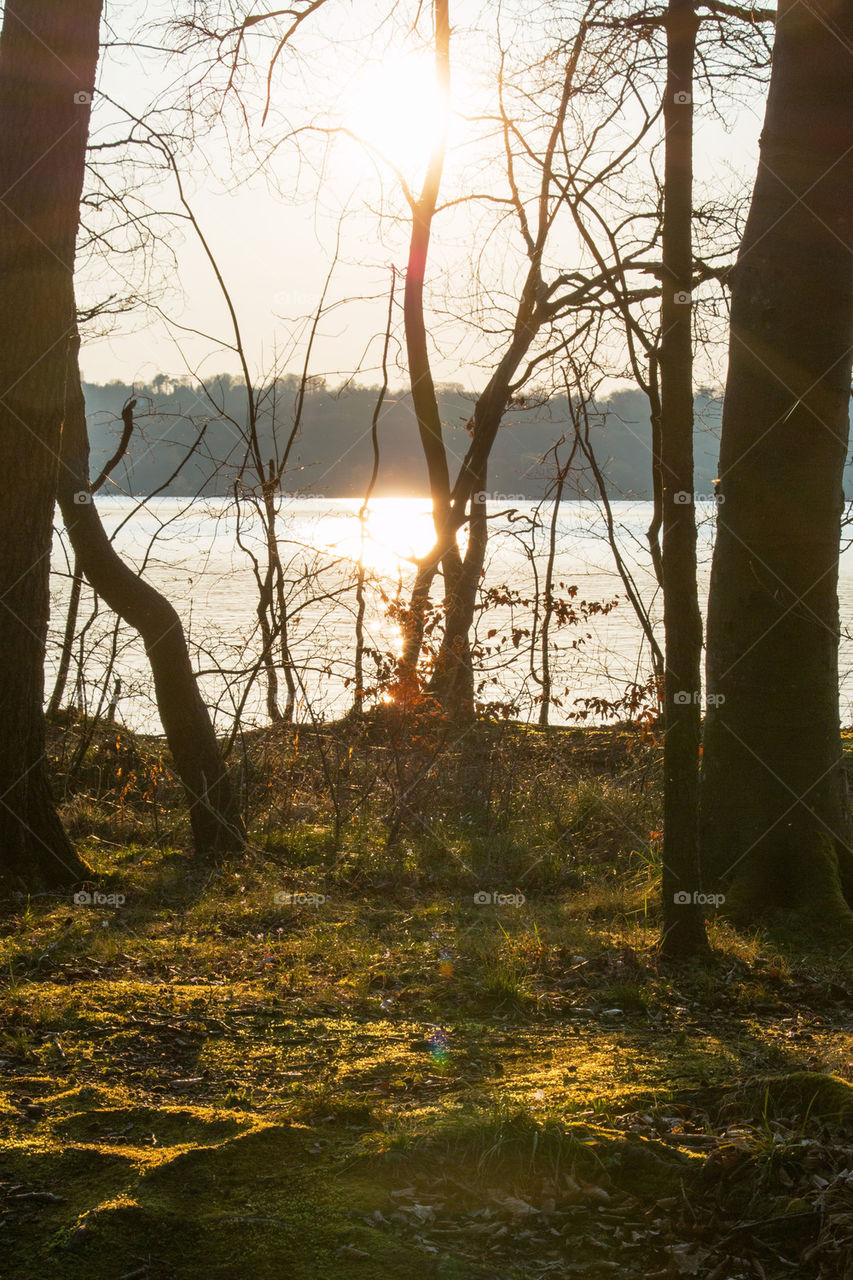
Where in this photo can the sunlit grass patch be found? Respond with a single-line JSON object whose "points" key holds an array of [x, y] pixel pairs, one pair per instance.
{"points": [[394, 1031]]}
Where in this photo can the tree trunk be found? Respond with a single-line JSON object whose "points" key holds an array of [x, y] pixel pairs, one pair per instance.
{"points": [[775, 813], [48, 59], [548, 593], [424, 402], [215, 820], [684, 930], [54, 706], [453, 680], [364, 510], [656, 523]]}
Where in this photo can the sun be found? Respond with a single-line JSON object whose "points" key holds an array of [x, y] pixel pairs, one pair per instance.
{"points": [[398, 110], [397, 531]]}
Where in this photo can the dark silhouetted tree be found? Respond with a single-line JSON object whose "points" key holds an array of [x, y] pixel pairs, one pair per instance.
{"points": [[48, 59], [775, 814]]}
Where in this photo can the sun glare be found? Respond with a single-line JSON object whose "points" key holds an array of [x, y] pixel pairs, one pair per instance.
{"points": [[397, 109], [397, 530]]}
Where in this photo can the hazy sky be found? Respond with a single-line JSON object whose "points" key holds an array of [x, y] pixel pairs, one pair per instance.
{"points": [[272, 236]]}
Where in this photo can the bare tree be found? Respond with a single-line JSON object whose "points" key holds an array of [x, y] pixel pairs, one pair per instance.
{"points": [[553, 312], [662, 364]]}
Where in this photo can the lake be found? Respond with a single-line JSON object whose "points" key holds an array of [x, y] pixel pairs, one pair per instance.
{"points": [[192, 552]]}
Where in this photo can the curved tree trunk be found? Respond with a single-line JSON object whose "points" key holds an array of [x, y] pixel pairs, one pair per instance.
{"points": [[216, 823], [413, 625], [775, 813], [48, 59], [54, 706]]}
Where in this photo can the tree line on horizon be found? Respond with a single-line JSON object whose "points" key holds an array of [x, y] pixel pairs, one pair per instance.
{"points": [[335, 427], [333, 457]]}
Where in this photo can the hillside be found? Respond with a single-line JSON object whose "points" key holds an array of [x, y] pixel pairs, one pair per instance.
{"points": [[336, 426]]}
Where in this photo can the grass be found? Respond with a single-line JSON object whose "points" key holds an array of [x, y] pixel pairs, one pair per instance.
{"points": [[205, 1080]]}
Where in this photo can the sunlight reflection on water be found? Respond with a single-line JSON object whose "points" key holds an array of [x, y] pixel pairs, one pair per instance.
{"points": [[198, 563]]}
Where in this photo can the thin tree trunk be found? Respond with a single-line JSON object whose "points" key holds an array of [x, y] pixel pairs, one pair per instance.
{"points": [[683, 926], [548, 595], [653, 531], [446, 551], [55, 705], [275, 577], [274, 583], [364, 512], [214, 815], [453, 680], [48, 59], [267, 641], [581, 425], [775, 813], [451, 508]]}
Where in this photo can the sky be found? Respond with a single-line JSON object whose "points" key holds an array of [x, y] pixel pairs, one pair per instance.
{"points": [[273, 228]]}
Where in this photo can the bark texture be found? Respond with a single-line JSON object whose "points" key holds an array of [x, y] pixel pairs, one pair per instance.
{"points": [[775, 810], [684, 930], [48, 59]]}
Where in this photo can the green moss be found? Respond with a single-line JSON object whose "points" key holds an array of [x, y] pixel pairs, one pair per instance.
{"points": [[253, 1206], [149, 1126], [211, 1083], [799, 1096], [805, 897]]}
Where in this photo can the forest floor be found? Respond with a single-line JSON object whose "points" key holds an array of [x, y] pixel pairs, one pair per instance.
{"points": [[382, 1076]]}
